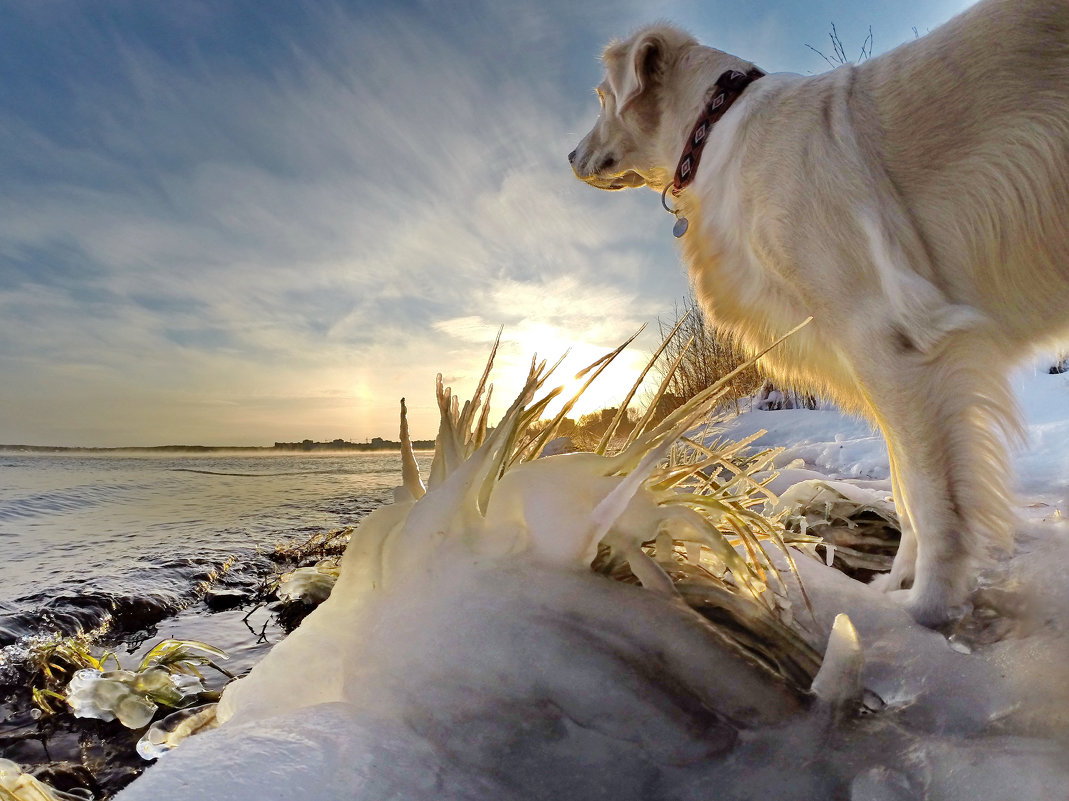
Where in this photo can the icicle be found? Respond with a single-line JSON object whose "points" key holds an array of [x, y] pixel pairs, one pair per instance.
{"points": [[648, 572], [409, 468], [838, 682]]}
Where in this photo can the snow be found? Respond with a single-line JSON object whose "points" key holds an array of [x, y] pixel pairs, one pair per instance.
{"points": [[451, 663], [1042, 468], [825, 440]]}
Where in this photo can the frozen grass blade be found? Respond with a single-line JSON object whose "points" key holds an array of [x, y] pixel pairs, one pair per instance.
{"points": [[471, 407], [178, 656], [622, 411], [595, 369], [651, 411]]}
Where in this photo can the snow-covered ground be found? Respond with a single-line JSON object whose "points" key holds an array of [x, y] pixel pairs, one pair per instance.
{"points": [[840, 446], [467, 675]]}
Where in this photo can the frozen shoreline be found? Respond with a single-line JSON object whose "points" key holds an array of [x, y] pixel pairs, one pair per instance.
{"points": [[468, 682]]}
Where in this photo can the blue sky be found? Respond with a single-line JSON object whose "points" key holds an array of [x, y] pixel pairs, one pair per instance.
{"points": [[243, 221]]}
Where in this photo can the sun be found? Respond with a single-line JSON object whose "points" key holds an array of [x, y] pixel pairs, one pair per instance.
{"points": [[608, 390]]}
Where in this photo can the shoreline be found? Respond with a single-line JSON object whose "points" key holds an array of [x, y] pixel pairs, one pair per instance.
{"points": [[258, 450]]}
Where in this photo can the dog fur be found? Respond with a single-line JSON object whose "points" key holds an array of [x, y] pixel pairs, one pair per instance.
{"points": [[916, 206]]}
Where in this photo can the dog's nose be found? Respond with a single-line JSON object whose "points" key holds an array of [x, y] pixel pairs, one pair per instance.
{"points": [[571, 157]]}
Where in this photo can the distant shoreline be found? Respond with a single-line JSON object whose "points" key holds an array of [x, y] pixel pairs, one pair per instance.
{"points": [[307, 446]]}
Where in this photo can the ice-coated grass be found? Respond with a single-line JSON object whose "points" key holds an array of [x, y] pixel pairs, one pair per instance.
{"points": [[704, 531], [169, 675], [677, 515], [17, 785]]}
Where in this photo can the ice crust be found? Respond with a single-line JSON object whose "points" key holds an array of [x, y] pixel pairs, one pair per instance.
{"points": [[471, 657], [167, 733]]}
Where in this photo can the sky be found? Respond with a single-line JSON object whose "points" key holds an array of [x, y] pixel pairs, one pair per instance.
{"points": [[245, 221]]}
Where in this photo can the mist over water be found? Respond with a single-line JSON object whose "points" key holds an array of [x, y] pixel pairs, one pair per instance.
{"points": [[83, 536]]}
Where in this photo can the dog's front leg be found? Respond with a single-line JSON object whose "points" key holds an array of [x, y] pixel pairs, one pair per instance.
{"points": [[903, 569]]}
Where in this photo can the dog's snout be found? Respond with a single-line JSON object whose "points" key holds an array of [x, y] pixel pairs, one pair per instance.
{"points": [[571, 157]]}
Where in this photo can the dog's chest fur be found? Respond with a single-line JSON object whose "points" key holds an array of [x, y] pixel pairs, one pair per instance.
{"points": [[736, 274]]}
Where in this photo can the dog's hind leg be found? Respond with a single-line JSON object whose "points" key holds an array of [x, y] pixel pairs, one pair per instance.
{"points": [[931, 373], [944, 414]]}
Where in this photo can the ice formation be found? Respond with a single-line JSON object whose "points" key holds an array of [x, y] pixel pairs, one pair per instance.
{"points": [[16, 785], [131, 697], [165, 734], [858, 522], [167, 676], [468, 652], [312, 585]]}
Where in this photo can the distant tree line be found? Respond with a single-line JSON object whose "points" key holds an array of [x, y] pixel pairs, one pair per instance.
{"points": [[376, 444]]}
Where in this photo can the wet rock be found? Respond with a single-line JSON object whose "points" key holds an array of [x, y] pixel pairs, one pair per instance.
{"points": [[222, 600], [69, 776]]}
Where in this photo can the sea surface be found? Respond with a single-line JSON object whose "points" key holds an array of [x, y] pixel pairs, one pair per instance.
{"points": [[135, 542]]}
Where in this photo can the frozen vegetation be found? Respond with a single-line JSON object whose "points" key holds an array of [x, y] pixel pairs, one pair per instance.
{"points": [[468, 651], [127, 696], [312, 585]]}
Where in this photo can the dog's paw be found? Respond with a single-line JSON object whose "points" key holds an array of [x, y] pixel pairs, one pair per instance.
{"points": [[930, 612], [892, 581], [885, 582], [901, 575]]}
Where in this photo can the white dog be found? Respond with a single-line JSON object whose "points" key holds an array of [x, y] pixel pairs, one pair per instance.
{"points": [[916, 206]]}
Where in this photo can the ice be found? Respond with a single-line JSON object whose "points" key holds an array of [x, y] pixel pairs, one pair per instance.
{"points": [[130, 697], [311, 585], [839, 679], [857, 521], [835, 500], [467, 653], [16, 785], [165, 734], [93, 694]]}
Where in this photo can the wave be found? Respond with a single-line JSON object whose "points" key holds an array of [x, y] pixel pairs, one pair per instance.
{"points": [[70, 500], [137, 600]]}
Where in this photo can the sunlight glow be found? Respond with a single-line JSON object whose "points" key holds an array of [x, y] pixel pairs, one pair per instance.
{"points": [[552, 343]]}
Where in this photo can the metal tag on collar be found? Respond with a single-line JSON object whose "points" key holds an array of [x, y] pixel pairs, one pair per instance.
{"points": [[681, 225]]}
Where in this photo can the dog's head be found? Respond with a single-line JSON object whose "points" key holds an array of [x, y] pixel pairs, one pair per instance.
{"points": [[628, 146]]}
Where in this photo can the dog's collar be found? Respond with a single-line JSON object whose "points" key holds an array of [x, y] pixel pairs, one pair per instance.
{"points": [[729, 86], [727, 90]]}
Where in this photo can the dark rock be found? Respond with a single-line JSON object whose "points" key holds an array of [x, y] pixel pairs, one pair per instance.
{"points": [[67, 776], [222, 600]]}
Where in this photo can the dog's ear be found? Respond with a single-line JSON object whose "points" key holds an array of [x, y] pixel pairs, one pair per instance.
{"points": [[634, 67]]}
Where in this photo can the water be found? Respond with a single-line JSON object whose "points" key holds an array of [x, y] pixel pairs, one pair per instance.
{"points": [[138, 548], [85, 537]]}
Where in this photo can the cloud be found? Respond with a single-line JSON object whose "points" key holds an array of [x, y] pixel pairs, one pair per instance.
{"points": [[205, 228], [244, 218]]}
